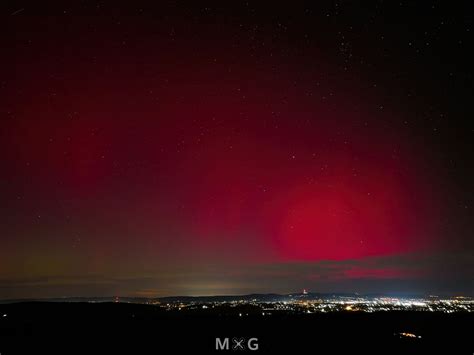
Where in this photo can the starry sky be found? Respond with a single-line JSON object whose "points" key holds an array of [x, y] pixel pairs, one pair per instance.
{"points": [[172, 148]]}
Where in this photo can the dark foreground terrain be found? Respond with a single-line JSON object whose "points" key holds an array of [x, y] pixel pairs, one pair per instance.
{"points": [[109, 328]]}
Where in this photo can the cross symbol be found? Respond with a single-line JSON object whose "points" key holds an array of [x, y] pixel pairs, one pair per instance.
{"points": [[238, 344]]}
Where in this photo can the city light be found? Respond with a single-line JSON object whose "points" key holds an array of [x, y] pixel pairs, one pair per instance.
{"points": [[308, 304]]}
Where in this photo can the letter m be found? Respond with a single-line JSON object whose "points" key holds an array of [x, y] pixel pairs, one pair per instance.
{"points": [[222, 345]]}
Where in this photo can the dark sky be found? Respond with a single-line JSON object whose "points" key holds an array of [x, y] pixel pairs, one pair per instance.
{"points": [[167, 148]]}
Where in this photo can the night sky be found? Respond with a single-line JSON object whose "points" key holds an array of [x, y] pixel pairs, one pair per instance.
{"points": [[234, 147]]}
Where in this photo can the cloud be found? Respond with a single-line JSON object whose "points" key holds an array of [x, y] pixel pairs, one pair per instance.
{"points": [[443, 273]]}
